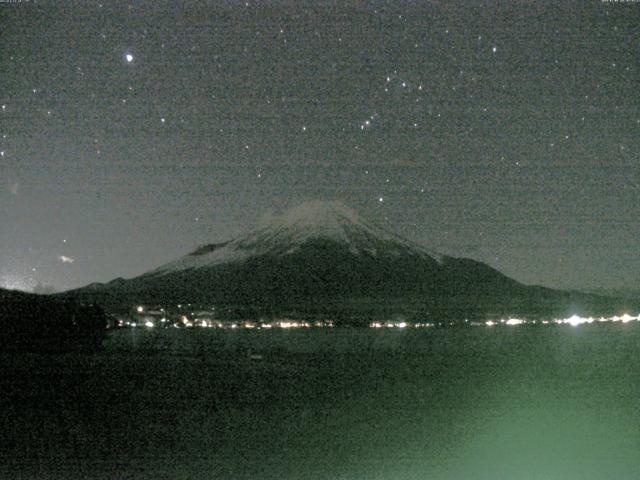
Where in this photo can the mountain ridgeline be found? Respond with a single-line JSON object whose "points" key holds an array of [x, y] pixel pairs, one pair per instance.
{"points": [[321, 260]]}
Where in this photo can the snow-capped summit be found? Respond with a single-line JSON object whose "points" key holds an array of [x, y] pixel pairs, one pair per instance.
{"points": [[315, 218], [285, 234], [329, 220]]}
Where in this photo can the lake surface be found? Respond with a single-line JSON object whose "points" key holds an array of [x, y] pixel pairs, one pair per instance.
{"points": [[525, 402]]}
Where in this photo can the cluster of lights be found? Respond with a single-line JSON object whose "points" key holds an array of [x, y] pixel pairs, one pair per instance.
{"points": [[398, 325], [184, 321], [573, 320], [199, 323]]}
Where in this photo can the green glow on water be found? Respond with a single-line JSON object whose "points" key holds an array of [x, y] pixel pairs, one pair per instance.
{"points": [[398, 404]]}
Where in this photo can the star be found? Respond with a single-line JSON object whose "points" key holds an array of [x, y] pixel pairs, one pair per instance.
{"points": [[128, 57]]}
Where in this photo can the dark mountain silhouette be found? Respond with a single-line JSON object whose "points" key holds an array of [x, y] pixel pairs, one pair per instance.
{"points": [[322, 259], [41, 323]]}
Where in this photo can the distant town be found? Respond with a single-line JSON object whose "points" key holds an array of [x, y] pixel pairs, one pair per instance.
{"points": [[192, 316]]}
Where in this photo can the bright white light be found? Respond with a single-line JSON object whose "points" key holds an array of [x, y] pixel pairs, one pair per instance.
{"points": [[514, 321], [149, 324], [129, 57], [489, 323], [402, 325], [140, 309], [627, 318], [575, 320]]}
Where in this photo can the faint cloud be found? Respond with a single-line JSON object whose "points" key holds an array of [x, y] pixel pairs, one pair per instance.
{"points": [[65, 259]]}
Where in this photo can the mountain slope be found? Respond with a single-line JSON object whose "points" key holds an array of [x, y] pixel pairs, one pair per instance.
{"points": [[321, 258]]}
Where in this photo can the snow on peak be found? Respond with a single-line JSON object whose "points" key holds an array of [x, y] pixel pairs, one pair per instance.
{"points": [[285, 233], [311, 219], [319, 212]]}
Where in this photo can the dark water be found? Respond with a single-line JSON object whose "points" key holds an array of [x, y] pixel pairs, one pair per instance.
{"points": [[552, 402]]}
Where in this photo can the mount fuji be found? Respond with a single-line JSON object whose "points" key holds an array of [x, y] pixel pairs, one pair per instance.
{"points": [[323, 259]]}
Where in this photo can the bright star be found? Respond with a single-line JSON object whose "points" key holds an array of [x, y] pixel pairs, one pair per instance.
{"points": [[128, 57]]}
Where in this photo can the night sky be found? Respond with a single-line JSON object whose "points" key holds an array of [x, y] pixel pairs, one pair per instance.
{"points": [[132, 132]]}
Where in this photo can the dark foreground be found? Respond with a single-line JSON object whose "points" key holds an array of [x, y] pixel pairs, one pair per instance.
{"points": [[553, 402]]}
